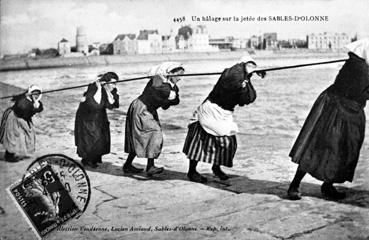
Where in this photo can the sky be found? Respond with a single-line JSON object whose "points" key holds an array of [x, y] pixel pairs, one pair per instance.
{"points": [[27, 24]]}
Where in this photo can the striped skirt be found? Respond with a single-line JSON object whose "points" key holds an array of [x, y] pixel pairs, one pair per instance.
{"points": [[202, 146]]}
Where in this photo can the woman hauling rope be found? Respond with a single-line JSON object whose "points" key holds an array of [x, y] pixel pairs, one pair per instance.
{"points": [[17, 132], [329, 143], [92, 131], [143, 132], [211, 137]]}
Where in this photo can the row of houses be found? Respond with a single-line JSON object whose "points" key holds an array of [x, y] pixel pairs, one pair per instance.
{"points": [[193, 39], [328, 40], [150, 41], [146, 42]]}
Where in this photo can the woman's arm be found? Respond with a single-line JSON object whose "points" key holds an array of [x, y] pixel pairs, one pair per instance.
{"points": [[115, 104], [247, 94], [167, 103]]}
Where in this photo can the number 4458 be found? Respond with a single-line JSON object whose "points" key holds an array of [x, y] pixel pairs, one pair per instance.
{"points": [[179, 19]]}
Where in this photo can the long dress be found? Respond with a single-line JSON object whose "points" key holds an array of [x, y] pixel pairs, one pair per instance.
{"points": [[329, 143], [211, 137], [143, 132], [92, 127], [17, 132]]}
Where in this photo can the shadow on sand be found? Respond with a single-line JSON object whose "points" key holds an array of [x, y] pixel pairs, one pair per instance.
{"points": [[237, 184], [242, 184]]}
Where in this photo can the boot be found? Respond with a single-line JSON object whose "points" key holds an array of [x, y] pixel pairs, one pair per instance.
{"points": [[219, 173], [330, 192]]}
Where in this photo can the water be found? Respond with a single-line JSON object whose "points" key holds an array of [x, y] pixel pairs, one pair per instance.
{"points": [[284, 97], [268, 127]]}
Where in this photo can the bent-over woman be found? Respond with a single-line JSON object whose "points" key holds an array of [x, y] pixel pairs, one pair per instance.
{"points": [[211, 138], [92, 130], [17, 132], [143, 132], [329, 143]]}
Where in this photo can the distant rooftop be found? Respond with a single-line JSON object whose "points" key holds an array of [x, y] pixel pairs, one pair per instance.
{"points": [[122, 36], [64, 40], [144, 34]]}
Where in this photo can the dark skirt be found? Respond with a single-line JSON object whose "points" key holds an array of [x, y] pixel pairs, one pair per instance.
{"points": [[202, 146], [92, 136], [329, 143], [143, 133]]}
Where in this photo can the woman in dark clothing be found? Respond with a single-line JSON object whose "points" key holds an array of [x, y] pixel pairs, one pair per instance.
{"points": [[17, 132], [212, 137], [143, 132], [92, 131], [329, 143]]}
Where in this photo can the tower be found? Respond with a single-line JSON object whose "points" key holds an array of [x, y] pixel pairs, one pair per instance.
{"points": [[81, 40]]}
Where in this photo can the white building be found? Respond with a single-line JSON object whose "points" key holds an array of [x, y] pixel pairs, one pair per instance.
{"points": [[125, 44], [199, 40], [240, 43], [64, 47], [149, 41], [81, 40], [254, 42], [169, 43], [327, 40]]}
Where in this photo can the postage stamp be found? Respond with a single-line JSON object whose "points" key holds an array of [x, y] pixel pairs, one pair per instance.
{"points": [[71, 174], [43, 200], [54, 190]]}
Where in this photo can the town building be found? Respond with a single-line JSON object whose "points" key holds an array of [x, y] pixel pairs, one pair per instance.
{"points": [[81, 40], [94, 51], [169, 43], [254, 42], [106, 49], [270, 41], [223, 44], [125, 44], [240, 43], [199, 40], [149, 41], [64, 48], [327, 40], [193, 39]]}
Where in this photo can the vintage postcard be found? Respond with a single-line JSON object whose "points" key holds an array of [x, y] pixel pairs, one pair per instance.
{"points": [[185, 119]]}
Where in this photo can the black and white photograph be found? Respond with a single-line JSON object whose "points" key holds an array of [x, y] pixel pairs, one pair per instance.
{"points": [[184, 119]]}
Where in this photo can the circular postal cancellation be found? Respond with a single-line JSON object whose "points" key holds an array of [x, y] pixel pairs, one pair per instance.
{"points": [[54, 190]]}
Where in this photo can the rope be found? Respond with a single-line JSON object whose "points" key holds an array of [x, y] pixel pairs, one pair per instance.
{"points": [[193, 74]]}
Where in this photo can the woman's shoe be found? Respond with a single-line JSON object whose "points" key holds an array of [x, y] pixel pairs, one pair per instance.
{"points": [[196, 177], [88, 163], [330, 192], [293, 193], [131, 169], [219, 173], [154, 170], [11, 157]]}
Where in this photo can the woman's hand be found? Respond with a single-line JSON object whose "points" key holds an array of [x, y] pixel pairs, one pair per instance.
{"points": [[243, 84], [172, 95], [261, 74], [98, 84]]}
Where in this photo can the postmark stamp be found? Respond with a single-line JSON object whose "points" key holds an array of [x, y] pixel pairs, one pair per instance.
{"points": [[43, 200], [71, 174], [54, 190]]}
